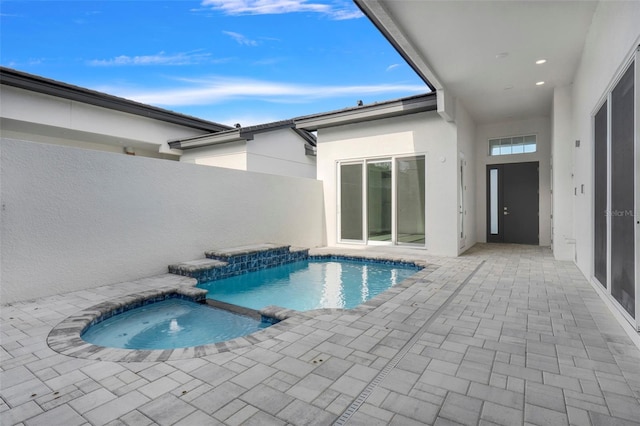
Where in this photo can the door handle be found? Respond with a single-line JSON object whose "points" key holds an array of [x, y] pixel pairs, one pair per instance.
{"points": [[506, 213]]}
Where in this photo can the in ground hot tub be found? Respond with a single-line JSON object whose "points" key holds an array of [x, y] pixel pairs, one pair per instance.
{"points": [[169, 324]]}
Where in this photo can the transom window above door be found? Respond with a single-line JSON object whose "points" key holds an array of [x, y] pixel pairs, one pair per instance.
{"points": [[513, 145], [382, 201]]}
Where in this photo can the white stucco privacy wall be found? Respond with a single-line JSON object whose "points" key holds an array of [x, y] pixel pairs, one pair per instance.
{"points": [[416, 134], [74, 219], [541, 127], [613, 36]]}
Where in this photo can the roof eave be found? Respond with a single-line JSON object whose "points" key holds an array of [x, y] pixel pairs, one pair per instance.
{"points": [[234, 135], [365, 113], [25, 81], [375, 11], [228, 136]]}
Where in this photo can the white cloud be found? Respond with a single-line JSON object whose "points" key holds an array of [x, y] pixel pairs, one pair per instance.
{"points": [[221, 89], [392, 66], [158, 59], [241, 39], [244, 119], [338, 11]]}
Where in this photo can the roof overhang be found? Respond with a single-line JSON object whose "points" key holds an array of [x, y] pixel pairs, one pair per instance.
{"points": [[376, 111], [21, 80], [484, 53], [239, 134]]}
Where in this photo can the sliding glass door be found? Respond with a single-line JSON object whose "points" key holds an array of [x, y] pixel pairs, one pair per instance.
{"points": [[382, 201], [616, 193]]}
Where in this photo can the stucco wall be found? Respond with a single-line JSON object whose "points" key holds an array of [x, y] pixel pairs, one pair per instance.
{"points": [[562, 146], [542, 128], [231, 155], [422, 133], [74, 219], [280, 152], [613, 35], [466, 132], [43, 118]]}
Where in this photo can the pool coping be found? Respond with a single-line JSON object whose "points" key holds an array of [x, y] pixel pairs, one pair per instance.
{"points": [[65, 338]]}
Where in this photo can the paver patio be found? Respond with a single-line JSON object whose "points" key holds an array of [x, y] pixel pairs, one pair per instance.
{"points": [[501, 335]]}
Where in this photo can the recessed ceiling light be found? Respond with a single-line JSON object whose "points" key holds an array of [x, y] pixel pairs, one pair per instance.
{"points": [[502, 55], [540, 83], [540, 61]]}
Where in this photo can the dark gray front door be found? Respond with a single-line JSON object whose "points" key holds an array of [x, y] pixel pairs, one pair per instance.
{"points": [[513, 203]]}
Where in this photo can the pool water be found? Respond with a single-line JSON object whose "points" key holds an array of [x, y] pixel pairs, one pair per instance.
{"points": [[309, 284], [170, 324]]}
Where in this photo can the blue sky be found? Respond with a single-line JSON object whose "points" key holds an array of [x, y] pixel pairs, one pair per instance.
{"points": [[229, 61]]}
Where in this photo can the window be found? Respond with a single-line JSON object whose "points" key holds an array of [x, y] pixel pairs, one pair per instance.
{"points": [[513, 145]]}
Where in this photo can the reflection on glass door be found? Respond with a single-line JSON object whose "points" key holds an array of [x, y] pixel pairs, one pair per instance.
{"points": [[410, 195], [379, 201], [351, 202], [600, 194]]}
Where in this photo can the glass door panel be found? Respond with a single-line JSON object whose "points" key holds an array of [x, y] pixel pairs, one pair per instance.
{"points": [[410, 196], [379, 201], [600, 197], [622, 192], [493, 201], [351, 202]]}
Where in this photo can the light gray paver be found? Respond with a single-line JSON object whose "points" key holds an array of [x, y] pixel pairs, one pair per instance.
{"points": [[63, 415], [525, 340], [166, 410]]}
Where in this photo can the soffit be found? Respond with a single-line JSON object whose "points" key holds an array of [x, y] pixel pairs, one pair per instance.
{"points": [[457, 45]]}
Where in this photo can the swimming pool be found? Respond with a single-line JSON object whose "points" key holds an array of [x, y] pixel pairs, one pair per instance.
{"points": [[309, 284], [169, 324]]}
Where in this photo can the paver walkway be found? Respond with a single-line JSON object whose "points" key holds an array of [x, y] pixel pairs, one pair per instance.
{"points": [[502, 335]]}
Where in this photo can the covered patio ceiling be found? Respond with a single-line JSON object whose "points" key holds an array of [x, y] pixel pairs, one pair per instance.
{"points": [[484, 52]]}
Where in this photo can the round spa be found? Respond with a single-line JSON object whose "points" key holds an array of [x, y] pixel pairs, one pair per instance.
{"points": [[169, 324]]}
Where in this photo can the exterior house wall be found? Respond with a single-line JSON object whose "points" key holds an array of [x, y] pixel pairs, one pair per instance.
{"points": [[75, 218], [613, 35], [38, 117], [466, 130], [542, 128], [562, 169], [231, 155], [421, 133], [280, 152]]}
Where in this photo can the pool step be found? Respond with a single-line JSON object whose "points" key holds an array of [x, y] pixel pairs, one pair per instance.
{"points": [[223, 263], [195, 266]]}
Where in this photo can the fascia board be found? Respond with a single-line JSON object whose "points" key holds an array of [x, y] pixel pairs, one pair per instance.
{"points": [[54, 88], [368, 113], [207, 140]]}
